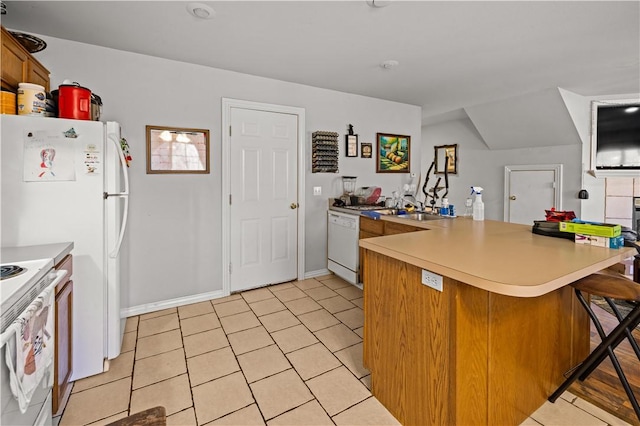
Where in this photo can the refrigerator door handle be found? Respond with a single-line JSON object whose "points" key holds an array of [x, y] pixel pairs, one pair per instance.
{"points": [[123, 162], [124, 195], [123, 226]]}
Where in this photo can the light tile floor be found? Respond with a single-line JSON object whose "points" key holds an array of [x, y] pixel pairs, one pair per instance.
{"points": [[289, 354]]}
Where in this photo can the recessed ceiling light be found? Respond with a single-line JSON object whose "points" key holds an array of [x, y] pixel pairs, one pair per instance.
{"points": [[631, 110], [389, 64], [201, 10]]}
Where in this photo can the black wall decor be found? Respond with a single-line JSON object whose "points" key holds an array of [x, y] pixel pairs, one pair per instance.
{"points": [[324, 157], [351, 143]]}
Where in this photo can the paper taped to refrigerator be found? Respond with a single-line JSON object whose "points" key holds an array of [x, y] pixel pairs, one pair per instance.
{"points": [[48, 156]]}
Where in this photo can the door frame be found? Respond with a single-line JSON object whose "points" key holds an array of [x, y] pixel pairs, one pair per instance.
{"points": [[557, 168], [227, 105]]}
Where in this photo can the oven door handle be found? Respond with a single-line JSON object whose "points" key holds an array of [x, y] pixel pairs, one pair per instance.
{"points": [[13, 328]]}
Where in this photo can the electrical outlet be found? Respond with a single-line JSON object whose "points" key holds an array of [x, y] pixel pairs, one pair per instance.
{"points": [[432, 280], [317, 190]]}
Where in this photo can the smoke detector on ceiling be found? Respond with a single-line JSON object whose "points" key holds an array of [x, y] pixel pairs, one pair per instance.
{"points": [[389, 64], [201, 10], [378, 3]]}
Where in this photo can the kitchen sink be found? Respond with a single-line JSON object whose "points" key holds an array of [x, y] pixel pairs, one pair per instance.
{"points": [[420, 216], [387, 212]]}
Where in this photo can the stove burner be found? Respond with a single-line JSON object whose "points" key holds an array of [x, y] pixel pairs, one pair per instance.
{"points": [[10, 271]]}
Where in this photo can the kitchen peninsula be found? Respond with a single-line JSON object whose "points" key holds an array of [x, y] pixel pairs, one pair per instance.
{"points": [[493, 344]]}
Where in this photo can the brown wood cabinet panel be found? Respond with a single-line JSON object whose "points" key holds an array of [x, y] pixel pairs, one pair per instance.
{"points": [[472, 369], [19, 66], [363, 234], [37, 74], [14, 62], [376, 228], [392, 228], [407, 344], [63, 362], [371, 226], [530, 343], [463, 355]]}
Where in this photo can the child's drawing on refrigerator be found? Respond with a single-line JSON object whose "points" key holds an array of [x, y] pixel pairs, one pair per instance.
{"points": [[47, 155]]}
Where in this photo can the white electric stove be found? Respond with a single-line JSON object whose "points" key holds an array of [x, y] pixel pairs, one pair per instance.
{"points": [[17, 292]]}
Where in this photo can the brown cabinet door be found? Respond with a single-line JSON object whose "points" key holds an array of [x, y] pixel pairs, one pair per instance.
{"points": [[63, 349], [64, 337], [371, 226], [18, 66], [14, 62], [37, 74]]}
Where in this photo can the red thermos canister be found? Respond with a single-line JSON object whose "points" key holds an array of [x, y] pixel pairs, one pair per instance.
{"points": [[74, 101]]}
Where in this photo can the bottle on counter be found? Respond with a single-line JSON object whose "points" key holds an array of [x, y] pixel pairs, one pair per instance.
{"points": [[468, 207], [444, 210], [478, 205]]}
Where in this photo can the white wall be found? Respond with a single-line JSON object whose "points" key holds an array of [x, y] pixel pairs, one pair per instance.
{"points": [[175, 233], [480, 166]]}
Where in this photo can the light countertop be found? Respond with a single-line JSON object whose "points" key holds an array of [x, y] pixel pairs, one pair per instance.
{"points": [[499, 257], [56, 251]]}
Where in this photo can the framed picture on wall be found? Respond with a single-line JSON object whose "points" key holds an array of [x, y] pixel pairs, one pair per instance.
{"points": [[393, 153], [446, 156], [351, 145], [366, 150]]}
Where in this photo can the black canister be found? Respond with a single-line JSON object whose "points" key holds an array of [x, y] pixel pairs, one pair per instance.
{"points": [[96, 107]]}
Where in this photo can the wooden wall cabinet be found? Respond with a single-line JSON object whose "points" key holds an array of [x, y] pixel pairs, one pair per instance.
{"points": [[63, 361], [19, 66]]}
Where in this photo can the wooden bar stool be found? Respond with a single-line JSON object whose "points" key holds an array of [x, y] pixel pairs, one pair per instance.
{"points": [[609, 285]]}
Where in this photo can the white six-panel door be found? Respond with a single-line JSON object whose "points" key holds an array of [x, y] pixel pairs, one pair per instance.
{"points": [[263, 198]]}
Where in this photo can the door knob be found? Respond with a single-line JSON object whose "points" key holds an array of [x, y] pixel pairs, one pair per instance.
{"points": [[294, 206], [512, 198]]}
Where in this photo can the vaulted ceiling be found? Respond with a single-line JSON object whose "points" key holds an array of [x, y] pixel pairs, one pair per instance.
{"points": [[451, 54]]}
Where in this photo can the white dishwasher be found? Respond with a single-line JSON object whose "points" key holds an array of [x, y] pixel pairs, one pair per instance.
{"points": [[343, 233]]}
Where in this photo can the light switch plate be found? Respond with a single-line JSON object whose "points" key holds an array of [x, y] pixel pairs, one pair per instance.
{"points": [[432, 280], [317, 190]]}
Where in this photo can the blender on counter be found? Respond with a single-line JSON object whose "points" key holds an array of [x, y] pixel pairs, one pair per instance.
{"points": [[348, 190]]}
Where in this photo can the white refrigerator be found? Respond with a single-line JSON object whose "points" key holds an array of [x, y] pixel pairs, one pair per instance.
{"points": [[66, 180]]}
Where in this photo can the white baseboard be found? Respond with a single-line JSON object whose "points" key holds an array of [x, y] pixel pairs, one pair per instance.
{"points": [[171, 303], [318, 273], [180, 301]]}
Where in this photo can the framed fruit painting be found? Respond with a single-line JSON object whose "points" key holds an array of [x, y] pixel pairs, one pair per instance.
{"points": [[393, 153]]}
